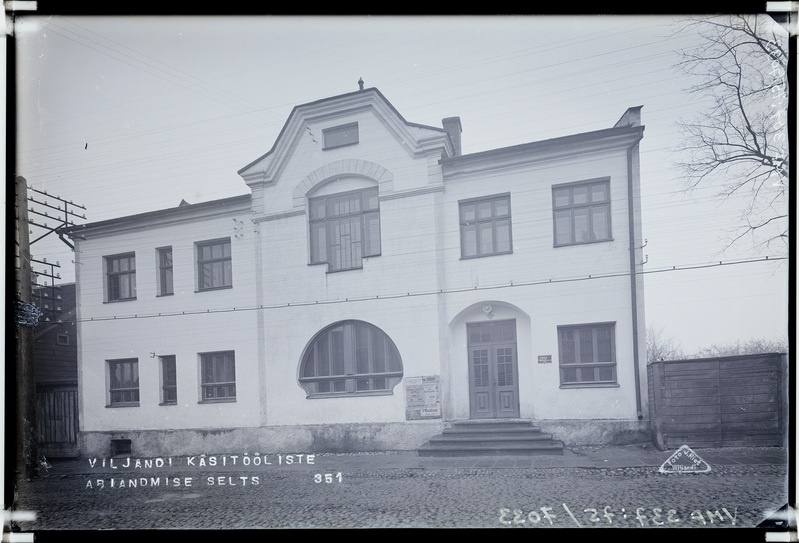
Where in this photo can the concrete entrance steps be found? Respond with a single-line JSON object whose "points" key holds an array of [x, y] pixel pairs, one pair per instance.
{"points": [[495, 437]]}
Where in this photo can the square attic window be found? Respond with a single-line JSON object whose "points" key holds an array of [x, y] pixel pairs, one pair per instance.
{"points": [[339, 136]]}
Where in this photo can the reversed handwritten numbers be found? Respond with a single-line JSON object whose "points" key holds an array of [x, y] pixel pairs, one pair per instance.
{"points": [[503, 514], [634, 517], [606, 514], [516, 516], [510, 517], [698, 517], [327, 478]]}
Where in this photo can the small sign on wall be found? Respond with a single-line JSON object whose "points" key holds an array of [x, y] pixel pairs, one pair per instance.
{"points": [[545, 359], [423, 397]]}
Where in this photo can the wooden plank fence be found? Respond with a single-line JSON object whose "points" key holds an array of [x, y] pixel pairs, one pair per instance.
{"points": [[735, 401], [57, 421]]}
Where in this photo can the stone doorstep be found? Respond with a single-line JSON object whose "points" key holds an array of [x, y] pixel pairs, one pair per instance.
{"points": [[491, 437]]}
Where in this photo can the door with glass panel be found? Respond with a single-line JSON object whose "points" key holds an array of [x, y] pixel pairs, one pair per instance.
{"points": [[493, 370]]}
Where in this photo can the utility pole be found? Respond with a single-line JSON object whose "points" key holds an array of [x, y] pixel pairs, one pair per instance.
{"points": [[61, 212], [26, 317]]}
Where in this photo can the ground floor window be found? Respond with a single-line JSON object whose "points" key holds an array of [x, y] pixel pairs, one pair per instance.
{"points": [[123, 382], [169, 380], [587, 354], [350, 358], [218, 376]]}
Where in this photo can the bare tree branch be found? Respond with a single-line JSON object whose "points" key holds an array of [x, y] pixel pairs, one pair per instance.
{"points": [[659, 347], [752, 346], [740, 141]]}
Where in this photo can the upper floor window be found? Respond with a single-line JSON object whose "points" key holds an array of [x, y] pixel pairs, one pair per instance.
{"points": [[120, 277], [123, 382], [587, 354], [165, 271], [485, 226], [350, 358], [339, 136], [218, 376], [581, 212], [345, 228], [214, 264]]}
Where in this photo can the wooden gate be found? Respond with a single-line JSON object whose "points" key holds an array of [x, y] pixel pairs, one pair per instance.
{"points": [[735, 401], [57, 420]]}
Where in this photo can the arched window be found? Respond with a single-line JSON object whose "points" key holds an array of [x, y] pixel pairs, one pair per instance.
{"points": [[350, 358]]}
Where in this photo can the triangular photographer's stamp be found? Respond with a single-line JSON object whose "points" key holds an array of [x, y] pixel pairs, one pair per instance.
{"points": [[685, 460]]}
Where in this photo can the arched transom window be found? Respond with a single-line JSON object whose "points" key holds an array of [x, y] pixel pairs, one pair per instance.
{"points": [[350, 358]]}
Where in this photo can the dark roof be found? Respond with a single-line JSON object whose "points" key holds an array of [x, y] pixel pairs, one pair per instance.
{"points": [[543, 144], [181, 209]]}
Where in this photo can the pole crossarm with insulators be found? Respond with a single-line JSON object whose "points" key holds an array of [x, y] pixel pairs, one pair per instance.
{"points": [[55, 208]]}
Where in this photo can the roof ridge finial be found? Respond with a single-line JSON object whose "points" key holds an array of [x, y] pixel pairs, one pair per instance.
{"points": [[360, 83]]}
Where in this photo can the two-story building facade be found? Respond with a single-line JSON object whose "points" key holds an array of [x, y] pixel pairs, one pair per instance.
{"points": [[375, 286]]}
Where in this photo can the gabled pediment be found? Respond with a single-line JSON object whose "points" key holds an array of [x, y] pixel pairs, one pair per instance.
{"points": [[308, 122]]}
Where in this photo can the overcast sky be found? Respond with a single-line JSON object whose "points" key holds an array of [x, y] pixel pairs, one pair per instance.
{"points": [[131, 114]]}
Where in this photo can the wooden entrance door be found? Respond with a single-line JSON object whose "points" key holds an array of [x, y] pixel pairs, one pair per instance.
{"points": [[493, 370]]}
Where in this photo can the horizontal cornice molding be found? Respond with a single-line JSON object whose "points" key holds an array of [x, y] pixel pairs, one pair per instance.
{"points": [[278, 216], [411, 192]]}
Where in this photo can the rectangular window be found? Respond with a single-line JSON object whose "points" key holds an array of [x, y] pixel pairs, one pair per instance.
{"points": [[218, 376], [344, 229], [485, 226], [123, 382], [165, 271], [581, 212], [587, 354], [339, 136], [214, 265], [62, 339], [120, 277], [169, 380]]}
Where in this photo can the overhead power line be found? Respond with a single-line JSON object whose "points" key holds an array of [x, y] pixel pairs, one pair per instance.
{"points": [[394, 296]]}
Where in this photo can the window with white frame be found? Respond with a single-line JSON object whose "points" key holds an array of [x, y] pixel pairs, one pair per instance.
{"points": [[214, 265], [587, 354], [345, 228], [165, 283], [218, 376], [581, 212], [339, 136], [350, 358], [123, 382], [169, 380], [120, 276], [485, 226]]}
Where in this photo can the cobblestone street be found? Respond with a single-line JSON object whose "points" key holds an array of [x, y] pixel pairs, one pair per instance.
{"points": [[337, 492]]}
